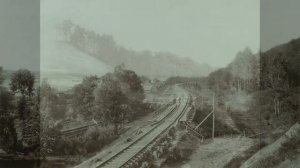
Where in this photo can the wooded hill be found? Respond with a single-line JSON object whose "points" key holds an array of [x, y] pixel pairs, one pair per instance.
{"points": [[279, 78], [154, 65], [270, 78]]}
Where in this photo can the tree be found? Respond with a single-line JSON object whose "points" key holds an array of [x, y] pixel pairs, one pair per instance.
{"points": [[1, 76], [58, 106], [8, 136], [112, 101], [78, 38], [83, 101], [67, 29], [245, 70], [46, 93], [22, 82], [131, 83]]}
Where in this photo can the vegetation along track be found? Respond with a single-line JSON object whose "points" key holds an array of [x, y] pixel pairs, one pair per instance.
{"points": [[127, 156], [73, 132]]}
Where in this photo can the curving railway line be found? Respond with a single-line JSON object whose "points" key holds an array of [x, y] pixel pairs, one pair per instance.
{"points": [[127, 156]]}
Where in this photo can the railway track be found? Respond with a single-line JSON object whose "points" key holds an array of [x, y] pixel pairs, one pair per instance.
{"points": [[77, 131], [72, 132], [129, 155]]}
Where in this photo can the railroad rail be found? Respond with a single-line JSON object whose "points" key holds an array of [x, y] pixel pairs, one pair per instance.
{"points": [[71, 132], [78, 130], [136, 149]]}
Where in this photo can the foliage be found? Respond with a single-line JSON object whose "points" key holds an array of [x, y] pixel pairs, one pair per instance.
{"points": [[206, 128], [241, 74], [93, 140], [182, 150], [220, 80], [114, 98], [8, 137], [84, 100], [49, 139], [20, 111], [131, 84], [53, 102], [280, 66], [279, 82], [22, 82], [187, 82], [27, 116], [112, 101]]}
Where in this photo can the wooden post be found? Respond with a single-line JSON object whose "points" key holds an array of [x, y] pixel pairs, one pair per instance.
{"points": [[213, 126]]}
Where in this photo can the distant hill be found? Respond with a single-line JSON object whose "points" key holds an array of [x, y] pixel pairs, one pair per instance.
{"points": [[153, 65]]}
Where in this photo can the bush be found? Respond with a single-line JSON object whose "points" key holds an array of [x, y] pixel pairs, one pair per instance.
{"points": [[92, 141]]}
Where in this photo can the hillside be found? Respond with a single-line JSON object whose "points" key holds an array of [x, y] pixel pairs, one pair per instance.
{"points": [[64, 66], [281, 62], [279, 78], [284, 148], [274, 108], [153, 65]]}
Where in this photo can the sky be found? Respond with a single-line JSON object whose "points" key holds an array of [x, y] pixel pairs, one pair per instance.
{"points": [[210, 31], [279, 22], [19, 34]]}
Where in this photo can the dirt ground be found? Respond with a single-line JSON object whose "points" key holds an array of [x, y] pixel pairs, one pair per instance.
{"points": [[216, 153]]}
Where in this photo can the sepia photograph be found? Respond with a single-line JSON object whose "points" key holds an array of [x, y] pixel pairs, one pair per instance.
{"points": [[149, 84]]}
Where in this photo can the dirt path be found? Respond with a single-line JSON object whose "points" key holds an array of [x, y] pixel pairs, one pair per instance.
{"points": [[218, 152], [290, 163]]}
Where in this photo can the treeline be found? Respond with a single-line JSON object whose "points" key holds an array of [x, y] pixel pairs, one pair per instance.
{"points": [[115, 98], [196, 82], [279, 81], [112, 100], [102, 46], [19, 114], [146, 63], [240, 75], [271, 77], [280, 67]]}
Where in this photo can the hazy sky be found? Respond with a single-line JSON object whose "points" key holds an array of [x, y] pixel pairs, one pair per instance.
{"points": [[279, 22], [211, 31], [19, 34]]}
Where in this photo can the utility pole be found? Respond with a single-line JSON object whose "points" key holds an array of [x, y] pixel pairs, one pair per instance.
{"points": [[213, 117], [194, 104], [202, 102]]}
